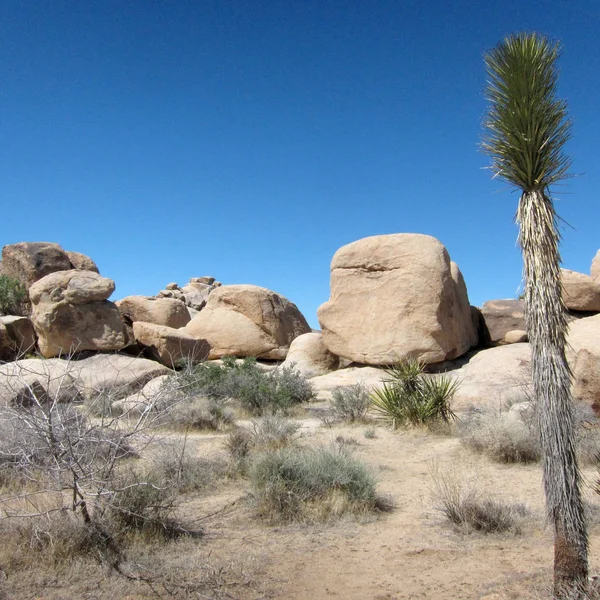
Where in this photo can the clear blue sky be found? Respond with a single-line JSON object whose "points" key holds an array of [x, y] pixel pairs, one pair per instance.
{"points": [[250, 139]]}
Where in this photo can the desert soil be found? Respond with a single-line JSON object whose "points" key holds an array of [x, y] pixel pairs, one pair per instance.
{"points": [[410, 552]]}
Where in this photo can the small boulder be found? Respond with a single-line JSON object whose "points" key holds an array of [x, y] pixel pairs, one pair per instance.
{"points": [[169, 346], [248, 320], [502, 316], [70, 313], [30, 261], [583, 354], [82, 262], [516, 336], [20, 330], [309, 355], [169, 312], [580, 291]]}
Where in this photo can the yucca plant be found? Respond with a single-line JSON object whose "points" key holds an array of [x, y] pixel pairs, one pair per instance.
{"points": [[525, 133], [410, 398]]}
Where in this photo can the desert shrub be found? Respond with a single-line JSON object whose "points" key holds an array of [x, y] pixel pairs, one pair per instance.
{"points": [[350, 403], [257, 391], [503, 437], [200, 413], [12, 296], [472, 511], [267, 433], [370, 433], [409, 397], [297, 483], [174, 467]]}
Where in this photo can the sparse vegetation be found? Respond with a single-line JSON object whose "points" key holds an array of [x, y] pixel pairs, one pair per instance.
{"points": [[349, 403], [471, 510], [12, 296], [409, 397], [257, 391], [298, 483]]}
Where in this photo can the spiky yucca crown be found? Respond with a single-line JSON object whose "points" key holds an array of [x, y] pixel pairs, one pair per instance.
{"points": [[527, 126]]}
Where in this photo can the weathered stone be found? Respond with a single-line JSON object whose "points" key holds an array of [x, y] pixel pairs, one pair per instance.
{"points": [[74, 287], [494, 378], [502, 316], [8, 348], [60, 380], [171, 286], [30, 261], [70, 314], [196, 294], [203, 280], [516, 336], [393, 297], [583, 353], [370, 377], [309, 355], [247, 320], [168, 345], [580, 291], [82, 262], [20, 330], [594, 271], [169, 312]]}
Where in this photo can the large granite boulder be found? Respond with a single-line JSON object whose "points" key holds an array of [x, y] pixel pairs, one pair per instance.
{"points": [[169, 346], [580, 291], [502, 316], [309, 355], [21, 332], [30, 261], [169, 312], [71, 313], [82, 262], [247, 320], [393, 297]]}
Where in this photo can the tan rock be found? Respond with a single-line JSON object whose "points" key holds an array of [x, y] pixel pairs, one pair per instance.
{"points": [[70, 314], [309, 355], [393, 297], [74, 287], [168, 345], [494, 378], [595, 269], [30, 261], [230, 333], [502, 316], [580, 291], [583, 353], [196, 295], [82, 262], [516, 336], [370, 377], [20, 330], [247, 320], [169, 312]]}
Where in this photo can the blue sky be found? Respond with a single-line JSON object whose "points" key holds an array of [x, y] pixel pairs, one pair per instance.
{"points": [[249, 139]]}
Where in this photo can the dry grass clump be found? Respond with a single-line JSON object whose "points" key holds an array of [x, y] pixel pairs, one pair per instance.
{"points": [[349, 404], [267, 433], [471, 510], [312, 484], [503, 437]]}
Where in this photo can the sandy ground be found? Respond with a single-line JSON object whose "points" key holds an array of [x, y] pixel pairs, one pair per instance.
{"points": [[411, 552]]}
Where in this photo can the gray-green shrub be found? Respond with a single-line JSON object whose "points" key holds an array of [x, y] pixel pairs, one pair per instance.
{"points": [[12, 296], [298, 483], [350, 403]]}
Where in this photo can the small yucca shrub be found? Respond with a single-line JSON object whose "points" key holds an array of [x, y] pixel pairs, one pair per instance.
{"points": [[409, 397]]}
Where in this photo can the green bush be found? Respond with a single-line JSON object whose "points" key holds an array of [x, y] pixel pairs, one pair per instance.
{"points": [[257, 391], [409, 397], [12, 296], [298, 484]]}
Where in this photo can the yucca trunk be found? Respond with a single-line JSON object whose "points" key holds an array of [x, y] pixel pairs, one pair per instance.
{"points": [[547, 326]]}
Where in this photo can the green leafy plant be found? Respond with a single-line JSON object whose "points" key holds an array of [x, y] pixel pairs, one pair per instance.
{"points": [[12, 296], [409, 397]]}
